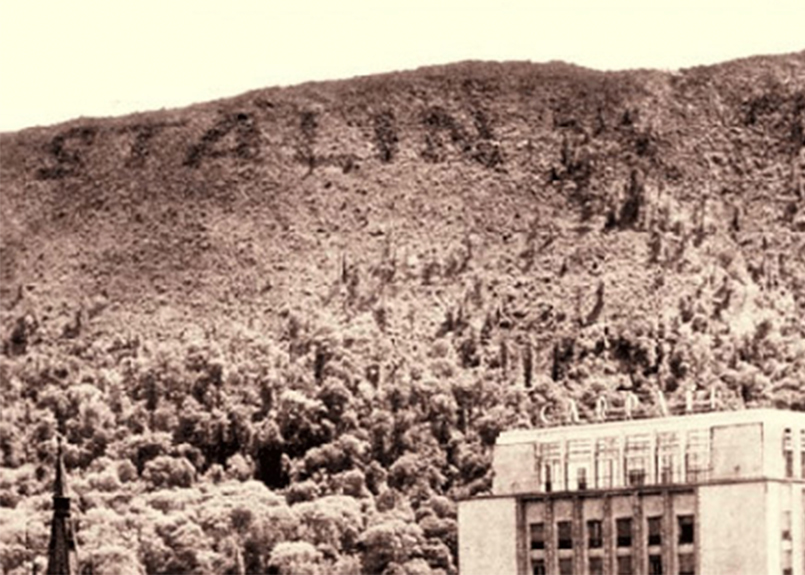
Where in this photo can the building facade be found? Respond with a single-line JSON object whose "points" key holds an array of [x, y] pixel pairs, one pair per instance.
{"points": [[705, 494]]}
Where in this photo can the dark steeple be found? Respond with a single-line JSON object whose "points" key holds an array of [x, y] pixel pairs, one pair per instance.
{"points": [[61, 551]]}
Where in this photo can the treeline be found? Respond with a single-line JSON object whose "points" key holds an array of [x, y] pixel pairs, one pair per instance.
{"points": [[308, 453], [192, 459]]}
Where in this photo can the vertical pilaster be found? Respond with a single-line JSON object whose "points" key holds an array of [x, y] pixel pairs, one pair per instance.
{"points": [[523, 539], [551, 557], [668, 539], [798, 528], [697, 532], [796, 509], [608, 532], [639, 544], [579, 541]]}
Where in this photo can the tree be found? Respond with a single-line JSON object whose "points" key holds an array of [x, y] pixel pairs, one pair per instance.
{"points": [[296, 558], [167, 471], [390, 541], [335, 521]]}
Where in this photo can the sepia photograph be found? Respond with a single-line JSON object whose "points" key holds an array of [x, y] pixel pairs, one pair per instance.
{"points": [[402, 288]]}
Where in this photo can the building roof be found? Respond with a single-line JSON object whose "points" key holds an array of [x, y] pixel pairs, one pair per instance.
{"points": [[668, 423]]}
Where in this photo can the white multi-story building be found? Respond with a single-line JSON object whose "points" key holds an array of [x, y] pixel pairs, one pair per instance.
{"points": [[706, 494]]}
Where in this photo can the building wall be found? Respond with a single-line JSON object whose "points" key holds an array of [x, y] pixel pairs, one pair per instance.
{"points": [[640, 506], [784, 505], [739, 445], [514, 469], [740, 528], [773, 462], [734, 529], [737, 451], [488, 536], [798, 528], [747, 500]]}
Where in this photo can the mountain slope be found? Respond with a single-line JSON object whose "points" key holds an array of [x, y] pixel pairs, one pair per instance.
{"points": [[454, 246]]}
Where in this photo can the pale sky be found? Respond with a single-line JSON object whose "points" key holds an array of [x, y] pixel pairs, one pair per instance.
{"points": [[68, 58]]}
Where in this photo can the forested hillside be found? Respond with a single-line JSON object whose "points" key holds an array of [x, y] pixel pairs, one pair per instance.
{"points": [[281, 332]]}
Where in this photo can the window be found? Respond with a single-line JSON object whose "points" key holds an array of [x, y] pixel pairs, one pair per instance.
{"points": [[538, 567], [624, 565], [596, 566], [638, 459], [553, 476], [595, 536], [655, 565], [637, 477], [802, 454], [788, 453], [579, 460], [537, 535], [787, 559], [666, 469], [786, 526], [564, 531], [549, 463], [686, 533], [607, 455], [581, 476], [697, 455], [668, 456], [687, 564], [623, 529], [655, 530], [566, 566], [607, 472]]}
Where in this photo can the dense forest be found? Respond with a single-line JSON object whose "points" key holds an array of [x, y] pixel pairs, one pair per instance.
{"points": [[280, 333]]}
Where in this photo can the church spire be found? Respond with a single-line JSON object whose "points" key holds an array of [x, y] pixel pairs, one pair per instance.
{"points": [[60, 481], [61, 551]]}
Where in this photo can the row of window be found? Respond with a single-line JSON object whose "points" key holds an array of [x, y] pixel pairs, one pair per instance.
{"points": [[624, 565], [635, 473], [788, 453], [608, 462], [624, 530]]}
